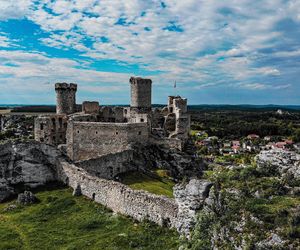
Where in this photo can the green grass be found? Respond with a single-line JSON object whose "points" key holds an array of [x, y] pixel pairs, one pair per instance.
{"points": [[61, 221], [160, 184]]}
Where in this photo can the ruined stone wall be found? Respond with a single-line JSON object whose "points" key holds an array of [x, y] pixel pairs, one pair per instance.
{"points": [[80, 117], [140, 92], [137, 117], [51, 129], [120, 198], [110, 165], [177, 122], [157, 118], [180, 104], [90, 107], [182, 126], [87, 140], [65, 98]]}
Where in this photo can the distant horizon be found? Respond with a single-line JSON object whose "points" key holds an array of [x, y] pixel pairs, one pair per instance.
{"points": [[162, 104]]}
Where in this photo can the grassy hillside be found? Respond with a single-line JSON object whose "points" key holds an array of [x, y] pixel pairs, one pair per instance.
{"points": [[159, 183], [61, 221]]}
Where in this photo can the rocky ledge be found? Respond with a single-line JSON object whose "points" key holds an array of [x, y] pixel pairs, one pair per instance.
{"points": [[26, 165]]}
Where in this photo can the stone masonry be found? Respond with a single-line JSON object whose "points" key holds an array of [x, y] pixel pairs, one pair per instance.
{"points": [[99, 130], [65, 98]]}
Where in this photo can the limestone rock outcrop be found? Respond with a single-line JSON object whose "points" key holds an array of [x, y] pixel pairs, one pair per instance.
{"points": [[190, 199], [26, 165], [281, 162], [180, 164]]}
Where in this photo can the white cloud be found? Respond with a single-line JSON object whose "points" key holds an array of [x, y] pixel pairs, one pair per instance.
{"points": [[253, 86], [4, 41], [14, 9]]}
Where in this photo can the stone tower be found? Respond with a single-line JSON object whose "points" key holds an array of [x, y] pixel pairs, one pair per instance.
{"points": [[65, 98], [140, 93]]}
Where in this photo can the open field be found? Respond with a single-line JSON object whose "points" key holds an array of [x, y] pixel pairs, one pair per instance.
{"points": [[61, 221]]}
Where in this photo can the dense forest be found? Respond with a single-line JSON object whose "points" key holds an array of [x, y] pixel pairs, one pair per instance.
{"points": [[237, 123]]}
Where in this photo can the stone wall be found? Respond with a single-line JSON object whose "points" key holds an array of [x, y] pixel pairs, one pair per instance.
{"points": [[29, 165], [109, 166], [87, 140], [90, 107], [50, 129], [177, 123], [120, 198]]}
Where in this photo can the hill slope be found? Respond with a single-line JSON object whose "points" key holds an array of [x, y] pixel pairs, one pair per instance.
{"points": [[62, 221]]}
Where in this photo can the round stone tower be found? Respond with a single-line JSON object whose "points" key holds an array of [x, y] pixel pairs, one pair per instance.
{"points": [[140, 93], [65, 98]]}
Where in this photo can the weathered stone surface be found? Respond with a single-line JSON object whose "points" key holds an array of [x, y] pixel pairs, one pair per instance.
{"points": [[87, 140], [190, 198], [284, 163], [180, 164], [120, 198], [26, 198], [273, 242], [26, 165], [143, 158]]}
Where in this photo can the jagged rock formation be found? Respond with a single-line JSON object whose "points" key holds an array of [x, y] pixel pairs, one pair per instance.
{"points": [[179, 163], [190, 198], [281, 162], [26, 165]]}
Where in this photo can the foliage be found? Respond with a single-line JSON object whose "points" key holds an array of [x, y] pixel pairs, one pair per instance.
{"points": [[236, 124]]}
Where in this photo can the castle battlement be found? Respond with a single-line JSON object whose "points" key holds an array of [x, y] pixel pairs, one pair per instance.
{"points": [[139, 80], [65, 86]]}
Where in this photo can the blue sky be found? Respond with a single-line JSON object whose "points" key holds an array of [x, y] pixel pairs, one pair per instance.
{"points": [[219, 52]]}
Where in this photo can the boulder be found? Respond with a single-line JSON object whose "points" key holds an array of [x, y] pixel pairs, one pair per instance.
{"points": [[26, 198]]}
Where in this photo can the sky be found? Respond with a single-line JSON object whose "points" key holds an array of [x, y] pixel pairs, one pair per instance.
{"points": [[218, 52]]}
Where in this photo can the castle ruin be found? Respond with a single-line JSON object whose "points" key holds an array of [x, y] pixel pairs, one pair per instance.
{"points": [[103, 142], [99, 130]]}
